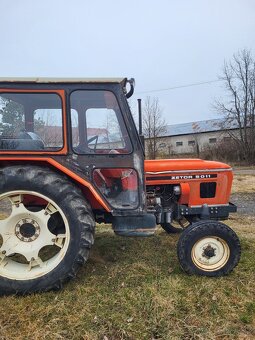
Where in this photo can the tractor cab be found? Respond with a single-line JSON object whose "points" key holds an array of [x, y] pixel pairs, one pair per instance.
{"points": [[84, 127]]}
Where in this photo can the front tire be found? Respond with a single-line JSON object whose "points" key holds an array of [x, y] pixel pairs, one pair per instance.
{"points": [[176, 227], [171, 229], [46, 230], [208, 248]]}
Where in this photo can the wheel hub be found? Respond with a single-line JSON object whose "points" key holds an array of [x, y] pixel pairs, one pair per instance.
{"points": [[28, 247], [209, 251], [27, 230]]}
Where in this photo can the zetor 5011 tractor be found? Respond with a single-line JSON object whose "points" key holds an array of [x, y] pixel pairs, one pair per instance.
{"points": [[70, 156]]}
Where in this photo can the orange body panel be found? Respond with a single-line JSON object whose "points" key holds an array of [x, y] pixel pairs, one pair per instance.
{"points": [[91, 190], [189, 173], [182, 164], [160, 170]]}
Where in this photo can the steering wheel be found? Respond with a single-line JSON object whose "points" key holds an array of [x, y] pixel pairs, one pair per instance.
{"points": [[92, 139]]}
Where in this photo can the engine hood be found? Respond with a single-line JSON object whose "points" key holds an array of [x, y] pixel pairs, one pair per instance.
{"points": [[163, 165]]}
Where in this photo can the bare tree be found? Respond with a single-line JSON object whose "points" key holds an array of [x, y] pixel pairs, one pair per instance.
{"points": [[239, 111], [196, 130], [153, 125]]}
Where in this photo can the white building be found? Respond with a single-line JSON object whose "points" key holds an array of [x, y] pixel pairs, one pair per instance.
{"points": [[188, 137]]}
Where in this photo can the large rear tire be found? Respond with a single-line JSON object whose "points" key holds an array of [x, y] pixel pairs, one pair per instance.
{"points": [[208, 248], [46, 230]]}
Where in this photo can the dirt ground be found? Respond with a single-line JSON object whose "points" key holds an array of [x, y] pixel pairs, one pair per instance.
{"points": [[245, 203], [243, 191], [244, 172]]}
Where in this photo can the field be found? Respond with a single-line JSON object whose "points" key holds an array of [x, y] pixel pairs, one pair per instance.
{"points": [[135, 289]]}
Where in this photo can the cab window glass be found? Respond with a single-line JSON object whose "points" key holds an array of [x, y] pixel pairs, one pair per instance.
{"points": [[30, 121], [97, 124]]}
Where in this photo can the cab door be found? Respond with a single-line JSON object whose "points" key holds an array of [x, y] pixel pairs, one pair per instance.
{"points": [[105, 140]]}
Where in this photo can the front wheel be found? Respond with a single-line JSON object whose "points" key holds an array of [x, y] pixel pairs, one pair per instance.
{"points": [[46, 230], [176, 227], [208, 248], [171, 229]]}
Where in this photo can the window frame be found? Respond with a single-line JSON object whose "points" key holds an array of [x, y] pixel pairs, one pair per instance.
{"points": [[227, 139], [213, 140], [191, 142], [121, 115], [61, 94]]}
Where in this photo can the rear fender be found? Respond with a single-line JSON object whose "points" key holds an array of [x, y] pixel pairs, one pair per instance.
{"points": [[94, 198]]}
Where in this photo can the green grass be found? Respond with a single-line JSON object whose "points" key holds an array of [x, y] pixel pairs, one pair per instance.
{"points": [[135, 289]]}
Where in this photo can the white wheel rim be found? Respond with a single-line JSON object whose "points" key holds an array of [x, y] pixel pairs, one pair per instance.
{"points": [[26, 233], [210, 253]]}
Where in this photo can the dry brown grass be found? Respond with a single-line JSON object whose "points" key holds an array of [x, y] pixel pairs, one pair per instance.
{"points": [[243, 184], [135, 289]]}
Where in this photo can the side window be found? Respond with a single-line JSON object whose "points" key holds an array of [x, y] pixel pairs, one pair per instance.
{"points": [[49, 127], [97, 123], [30, 121], [103, 129]]}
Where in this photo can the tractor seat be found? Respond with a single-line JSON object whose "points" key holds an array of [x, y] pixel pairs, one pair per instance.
{"points": [[21, 144]]}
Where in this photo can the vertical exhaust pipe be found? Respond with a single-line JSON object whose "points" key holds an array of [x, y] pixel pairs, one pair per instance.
{"points": [[140, 126], [140, 116]]}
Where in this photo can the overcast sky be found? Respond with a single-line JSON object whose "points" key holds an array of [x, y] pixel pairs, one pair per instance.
{"points": [[162, 44]]}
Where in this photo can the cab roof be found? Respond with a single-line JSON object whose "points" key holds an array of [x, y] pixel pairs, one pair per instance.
{"points": [[62, 80]]}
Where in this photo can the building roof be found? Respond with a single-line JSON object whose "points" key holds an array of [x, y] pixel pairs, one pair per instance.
{"points": [[199, 127]]}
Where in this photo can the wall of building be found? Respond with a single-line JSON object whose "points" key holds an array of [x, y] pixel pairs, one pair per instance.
{"points": [[187, 144]]}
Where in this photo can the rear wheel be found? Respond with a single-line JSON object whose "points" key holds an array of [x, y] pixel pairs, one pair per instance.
{"points": [[46, 230], [208, 248]]}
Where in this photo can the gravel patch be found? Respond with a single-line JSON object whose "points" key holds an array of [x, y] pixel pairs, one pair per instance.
{"points": [[245, 203]]}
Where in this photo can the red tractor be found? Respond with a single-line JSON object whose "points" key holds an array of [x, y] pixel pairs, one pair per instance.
{"points": [[70, 156]]}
